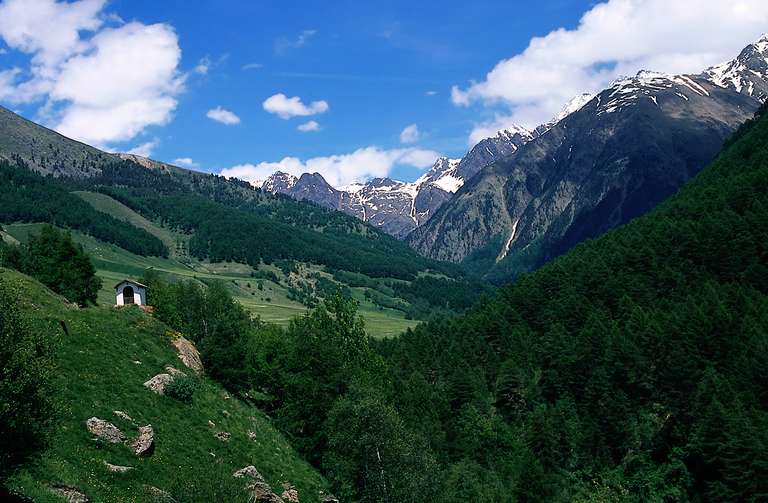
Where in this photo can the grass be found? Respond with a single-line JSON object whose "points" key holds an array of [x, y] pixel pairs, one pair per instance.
{"points": [[114, 264], [99, 374]]}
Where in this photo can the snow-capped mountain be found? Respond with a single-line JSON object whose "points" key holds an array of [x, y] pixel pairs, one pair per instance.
{"points": [[610, 158], [399, 207], [393, 206]]}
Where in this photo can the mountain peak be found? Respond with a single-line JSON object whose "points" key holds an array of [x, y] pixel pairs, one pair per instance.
{"points": [[747, 74]]}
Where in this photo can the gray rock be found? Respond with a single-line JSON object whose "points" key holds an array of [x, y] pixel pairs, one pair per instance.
{"points": [[174, 372], [224, 436], [144, 443], [188, 353], [248, 472], [158, 383], [123, 415], [290, 493], [70, 494], [104, 430], [117, 468]]}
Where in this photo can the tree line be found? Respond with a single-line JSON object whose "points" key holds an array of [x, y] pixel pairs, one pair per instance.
{"points": [[26, 196]]}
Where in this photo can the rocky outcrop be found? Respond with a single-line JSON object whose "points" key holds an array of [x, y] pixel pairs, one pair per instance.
{"points": [[174, 372], [259, 491], [104, 430], [248, 472], [224, 436], [290, 493], [328, 498], [158, 383], [188, 353], [117, 468], [123, 415], [157, 495], [144, 443], [70, 494]]}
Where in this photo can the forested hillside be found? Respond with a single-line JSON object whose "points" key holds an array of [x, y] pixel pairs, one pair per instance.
{"points": [[28, 197], [631, 369], [229, 220]]}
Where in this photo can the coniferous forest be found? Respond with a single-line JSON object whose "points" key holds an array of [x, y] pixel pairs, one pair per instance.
{"points": [[631, 369]]}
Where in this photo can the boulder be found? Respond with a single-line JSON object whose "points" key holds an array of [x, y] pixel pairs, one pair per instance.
{"points": [[123, 415], [174, 372], [144, 443], [70, 494], [224, 436], [104, 430], [248, 472], [252, 435], [158, 495], [290, 494], [158, 383], [328, 498], [117, 468], [260, 492], [188, 353]]}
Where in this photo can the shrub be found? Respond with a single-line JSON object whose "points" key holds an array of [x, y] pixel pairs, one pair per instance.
{"points": [[182, 388]]}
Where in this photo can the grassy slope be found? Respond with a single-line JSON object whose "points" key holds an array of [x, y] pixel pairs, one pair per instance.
{"points": [[114, 264], [99, 375]]}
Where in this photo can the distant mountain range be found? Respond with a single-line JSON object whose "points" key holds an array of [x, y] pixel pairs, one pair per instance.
{"points": [[613, 158], [398, 207]]}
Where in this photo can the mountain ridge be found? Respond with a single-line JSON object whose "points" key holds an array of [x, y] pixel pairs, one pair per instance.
{"points": [[633, 144]]}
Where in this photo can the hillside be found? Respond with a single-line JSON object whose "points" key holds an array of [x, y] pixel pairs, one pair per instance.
{"points": [[103, 359], [274, 302], [46, 151], [630, 369]]}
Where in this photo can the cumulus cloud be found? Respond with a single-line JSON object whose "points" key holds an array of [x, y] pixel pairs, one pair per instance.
{"points": [[187, 162], [145, 149], [614, 38], [410, 134], [285, 107], [308, 127], [98, 84], [360, 165], [223, 116]]}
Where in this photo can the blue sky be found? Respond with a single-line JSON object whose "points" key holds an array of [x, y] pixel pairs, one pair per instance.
{"points": [[362, 71]]}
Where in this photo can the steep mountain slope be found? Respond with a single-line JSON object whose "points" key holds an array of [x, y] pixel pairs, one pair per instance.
{"points": [[228, 219], [627, 149], [630, 369], [104, 358], [398, 207], [46, 151]]}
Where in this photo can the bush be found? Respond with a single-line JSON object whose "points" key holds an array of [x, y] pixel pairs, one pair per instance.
{"points": [[27, 405], [182, 388]]}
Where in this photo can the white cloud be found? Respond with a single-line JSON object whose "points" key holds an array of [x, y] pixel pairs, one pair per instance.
{"points": [[430, 93], [285, 107], [103, 89], [614, 38], [223, 115], [308, 127], [187, 162], [145, 149], [203, 66], [284, 44], [252, 66], [360, 165], [410, 134]]}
